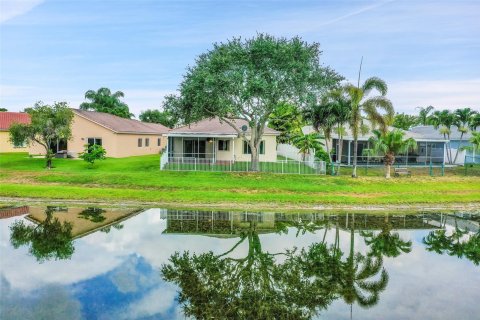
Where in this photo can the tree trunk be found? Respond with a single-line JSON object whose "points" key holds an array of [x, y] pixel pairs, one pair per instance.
{"points": [[458, 148], [254, 162], [387, 171], [355, 150]]}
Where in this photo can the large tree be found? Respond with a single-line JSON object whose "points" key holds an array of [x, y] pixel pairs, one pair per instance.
{"points": [[103, 100], [368, 108], [165, 118], [48, 125], [247, 79]]}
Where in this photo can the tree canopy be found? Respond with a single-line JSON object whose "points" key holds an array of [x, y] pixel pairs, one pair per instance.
{"points": [[48, 124], [248, 79], [103, 100], [165, 118]]}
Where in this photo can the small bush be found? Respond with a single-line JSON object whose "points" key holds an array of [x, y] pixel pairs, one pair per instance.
{"points": [[92, 153]]}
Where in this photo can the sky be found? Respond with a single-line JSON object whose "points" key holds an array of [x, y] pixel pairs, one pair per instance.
{"points": [[55, 50]]}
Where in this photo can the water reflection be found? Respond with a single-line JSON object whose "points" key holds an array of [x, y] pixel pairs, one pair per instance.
{"points": [[303, 283], [49, 239], [49, 232], [163, 263], [462, 239]]}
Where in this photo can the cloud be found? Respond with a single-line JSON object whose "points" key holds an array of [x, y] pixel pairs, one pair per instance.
{"points": [[10, 9], [442, 94]]}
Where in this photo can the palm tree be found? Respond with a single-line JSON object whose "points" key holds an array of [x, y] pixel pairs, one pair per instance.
{"points": [[475, 122], [103, 100], [444, 120], [423, 115], [330, 114], [462, 122], [322, 117], [362, 107], [307, 142], [390, 144]]}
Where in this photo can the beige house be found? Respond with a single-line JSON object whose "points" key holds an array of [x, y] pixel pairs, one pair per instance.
{"points": [[6, 120], [213, 140], [119, 136]]}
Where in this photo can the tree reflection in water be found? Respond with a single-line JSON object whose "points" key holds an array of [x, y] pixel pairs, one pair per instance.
{"points": [[386, 243], [458, 242], [50, 239], [296, 285], [93, 214]]}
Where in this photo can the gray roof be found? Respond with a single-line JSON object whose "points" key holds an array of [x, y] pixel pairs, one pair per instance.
{"points": [[432, 133], [215, 126], [121, 125], [364, 137]]}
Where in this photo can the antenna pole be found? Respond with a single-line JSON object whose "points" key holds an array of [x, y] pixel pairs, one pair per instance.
{"points": [[359, 72]]}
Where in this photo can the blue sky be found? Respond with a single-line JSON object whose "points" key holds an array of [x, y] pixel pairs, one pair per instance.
{"points": [[54, 50]]}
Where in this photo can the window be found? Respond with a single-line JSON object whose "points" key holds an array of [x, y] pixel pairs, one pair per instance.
{"points": [[158, 142], [223, 145], [147, 142], [92, 141], [139, 142], [247, 150], [22, 144]]}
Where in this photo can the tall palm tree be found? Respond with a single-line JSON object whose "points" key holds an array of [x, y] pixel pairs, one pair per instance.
{"points": [[390, 144], [369, 108], [444, 120], [307, 142], [103, 100], [423, 115], [463, 119]]}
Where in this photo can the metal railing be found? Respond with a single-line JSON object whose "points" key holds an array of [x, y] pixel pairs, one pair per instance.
{"points": [[280, 166]]}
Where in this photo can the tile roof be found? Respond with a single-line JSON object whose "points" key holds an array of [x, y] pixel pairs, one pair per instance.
{"points": [[121, 125], [215, 126], [9, 118]]}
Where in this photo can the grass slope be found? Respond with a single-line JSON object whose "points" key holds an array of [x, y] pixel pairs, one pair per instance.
{"points": [[139, 179]]}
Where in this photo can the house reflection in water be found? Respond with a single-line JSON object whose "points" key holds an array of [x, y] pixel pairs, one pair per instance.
{"points": [[224, 223], [84, 221]]}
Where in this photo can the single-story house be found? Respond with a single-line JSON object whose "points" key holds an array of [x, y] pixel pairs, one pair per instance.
{"points": [[430, 149], [212, 140], [456, 142], [119, 136], [6, 120]]}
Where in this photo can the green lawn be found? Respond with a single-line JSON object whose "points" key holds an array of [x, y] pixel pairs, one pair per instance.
{"points": [[139, 179]]}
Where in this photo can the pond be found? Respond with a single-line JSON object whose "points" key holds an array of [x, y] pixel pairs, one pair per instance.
{"points": [[98, 263]]}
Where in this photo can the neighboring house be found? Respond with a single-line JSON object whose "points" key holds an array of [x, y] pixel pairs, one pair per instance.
{"points": [[455, 143], [430, 149], [213, 140], [6, 120], [119, 136]]}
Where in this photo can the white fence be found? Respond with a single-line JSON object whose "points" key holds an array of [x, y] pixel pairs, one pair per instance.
{"points": [[280, 166]]}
